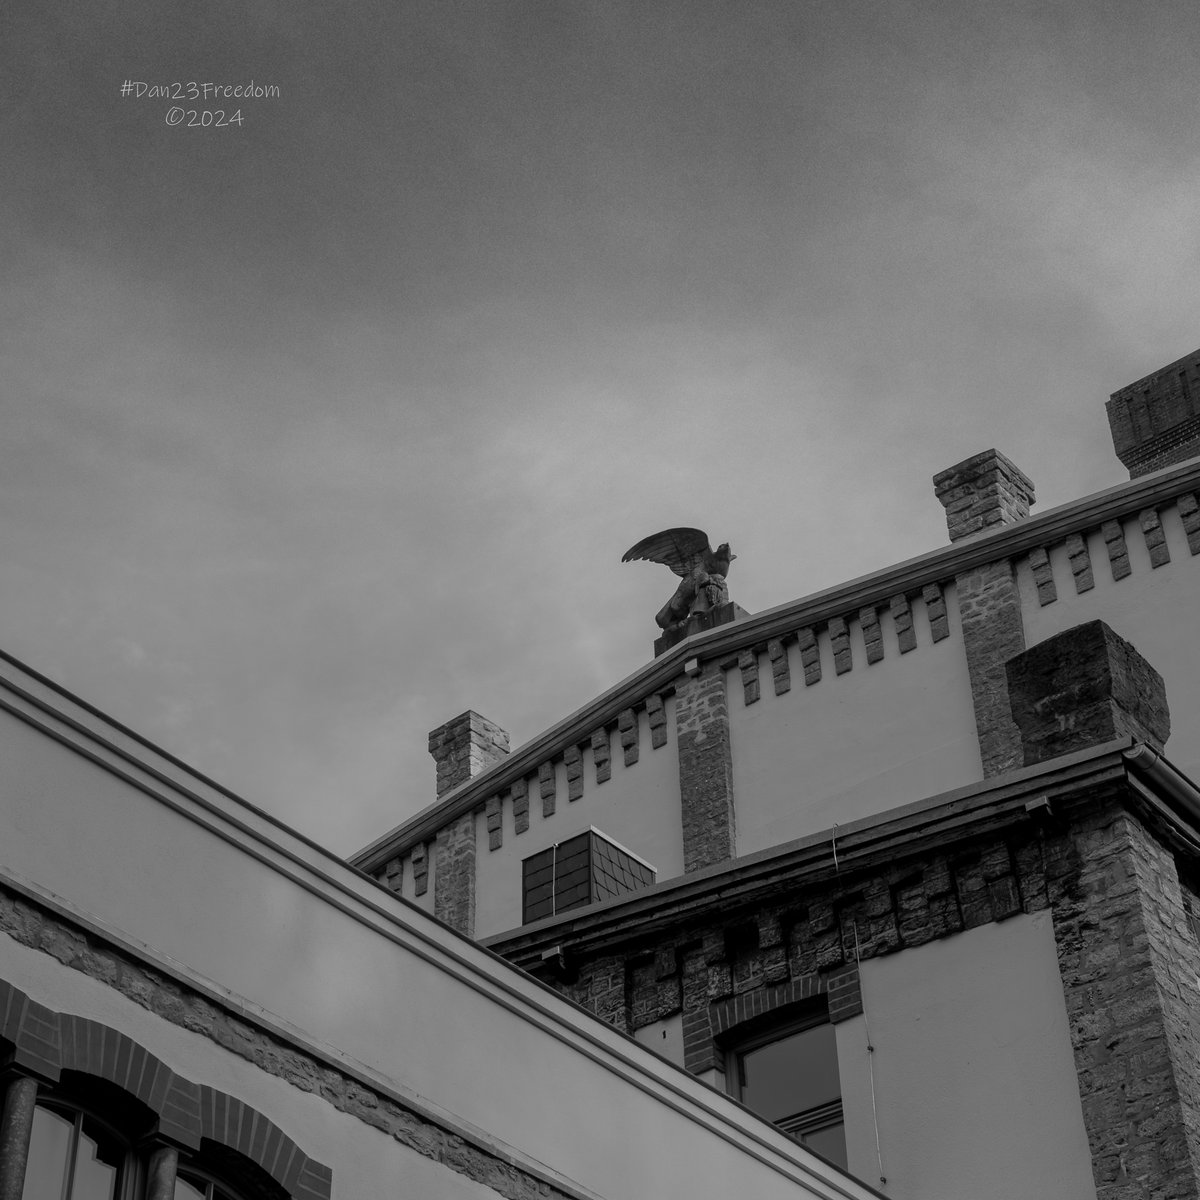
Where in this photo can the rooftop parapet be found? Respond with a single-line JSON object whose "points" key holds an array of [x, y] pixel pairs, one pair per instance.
{"points": [[1155, 422]]}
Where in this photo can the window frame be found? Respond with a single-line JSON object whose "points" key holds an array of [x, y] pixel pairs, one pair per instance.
{"points": [[131, 1169], [765, 1031]]}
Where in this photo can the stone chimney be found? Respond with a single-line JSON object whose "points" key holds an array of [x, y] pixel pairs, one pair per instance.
{"points": [[1155, 422], [464, 747], [982, 492], [1084, 687]]}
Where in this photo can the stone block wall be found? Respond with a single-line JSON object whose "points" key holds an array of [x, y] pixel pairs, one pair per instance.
{"points": [[464, 747], [1084, 687], [454, 875], [1130, 965]]}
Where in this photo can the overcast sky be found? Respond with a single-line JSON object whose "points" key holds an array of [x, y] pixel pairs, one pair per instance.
{"points": [[322, 428]]}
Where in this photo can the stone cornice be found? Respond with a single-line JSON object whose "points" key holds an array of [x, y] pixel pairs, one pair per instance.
{"points": [[726, 640], [864, 845]]}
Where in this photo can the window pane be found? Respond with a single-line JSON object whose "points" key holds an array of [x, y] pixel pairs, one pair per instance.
{"points": [[829, 1143], [187, 1191], [97, 1162], [797, 1072], [49, 1146]]}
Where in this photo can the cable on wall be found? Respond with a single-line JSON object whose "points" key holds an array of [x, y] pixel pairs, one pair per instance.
{"points": [[870, 1056]]}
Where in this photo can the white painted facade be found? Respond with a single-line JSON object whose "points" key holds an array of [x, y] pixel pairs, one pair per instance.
{"points": [[181, 876], [974, 1078]]}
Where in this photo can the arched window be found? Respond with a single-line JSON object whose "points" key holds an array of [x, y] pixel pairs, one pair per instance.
{"points": [[86, 1113], [217, 1173], [191, 1184], [74, 1155]]}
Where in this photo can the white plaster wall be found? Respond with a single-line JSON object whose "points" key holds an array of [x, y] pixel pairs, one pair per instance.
{"points": [[975, 1082], [1154, 608], [264, 916], [638, 807], [664, 1037], [853, 745], [360, 1157]]}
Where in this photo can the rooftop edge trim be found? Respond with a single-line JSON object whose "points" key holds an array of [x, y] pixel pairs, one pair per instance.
{"points": [[659, 675], [858, 843]]}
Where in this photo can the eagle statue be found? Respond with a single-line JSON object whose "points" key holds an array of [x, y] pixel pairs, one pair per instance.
{"points": [[703, 570]]}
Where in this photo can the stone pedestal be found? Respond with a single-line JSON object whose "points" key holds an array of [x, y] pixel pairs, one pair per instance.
{"points": [[723, 614]]}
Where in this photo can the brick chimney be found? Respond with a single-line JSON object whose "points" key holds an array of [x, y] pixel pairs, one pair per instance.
{"points": [[464, 747], [982, 492], [1155, 422], [1084, 687]]}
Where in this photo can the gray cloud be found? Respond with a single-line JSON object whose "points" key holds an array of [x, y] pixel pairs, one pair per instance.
{"points": [[322, 429]]}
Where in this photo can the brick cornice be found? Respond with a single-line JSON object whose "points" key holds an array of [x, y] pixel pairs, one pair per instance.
{"points": [[187, 1112], [726, 641], [863, 846]]}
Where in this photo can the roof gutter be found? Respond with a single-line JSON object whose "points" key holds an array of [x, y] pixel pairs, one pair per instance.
{"points": [[1180, 793]]}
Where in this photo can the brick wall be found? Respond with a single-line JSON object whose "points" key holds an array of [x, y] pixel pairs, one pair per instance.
{"points": [[1155, 422], [989, 607], [980, 494], [705, 768]]}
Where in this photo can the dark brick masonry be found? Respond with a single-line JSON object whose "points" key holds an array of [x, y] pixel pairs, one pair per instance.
{"points": [[980, 494], [1155, 422], [989, 608], [705, 768], [49, 1043]]}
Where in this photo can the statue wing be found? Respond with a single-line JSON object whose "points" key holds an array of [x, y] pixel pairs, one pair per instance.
{"points": [[680, 549]]}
